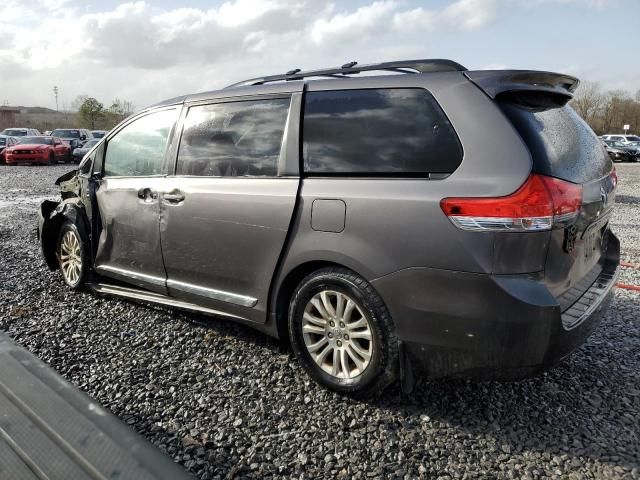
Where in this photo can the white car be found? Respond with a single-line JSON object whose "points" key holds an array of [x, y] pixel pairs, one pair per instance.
{"points": [[22, 132], [622, 138]]}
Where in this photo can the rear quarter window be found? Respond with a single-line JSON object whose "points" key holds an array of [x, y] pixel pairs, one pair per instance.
{"points": [[377, 131], [562, 145]]}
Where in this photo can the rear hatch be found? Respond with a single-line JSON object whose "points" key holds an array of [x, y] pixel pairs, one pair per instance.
{"points": [[562, 146]]}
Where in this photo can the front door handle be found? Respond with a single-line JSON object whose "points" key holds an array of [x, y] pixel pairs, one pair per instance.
{"points": [[147, 194], [174, 196]]}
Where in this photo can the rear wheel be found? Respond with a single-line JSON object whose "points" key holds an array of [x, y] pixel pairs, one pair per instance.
{"points": [[72, 256], [342, 334]]}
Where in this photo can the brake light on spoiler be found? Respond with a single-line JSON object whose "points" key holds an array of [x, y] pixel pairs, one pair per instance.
{"points": [[541, 203]]}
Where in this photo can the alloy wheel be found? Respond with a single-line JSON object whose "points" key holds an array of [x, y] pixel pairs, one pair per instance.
{"points": [[71, 257], [337, 334]]}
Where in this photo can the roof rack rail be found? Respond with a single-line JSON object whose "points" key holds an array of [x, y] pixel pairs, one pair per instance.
{"points": [[400, 66]]}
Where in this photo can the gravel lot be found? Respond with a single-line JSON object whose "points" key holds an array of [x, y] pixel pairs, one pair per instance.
{"points": [[225, 402]]}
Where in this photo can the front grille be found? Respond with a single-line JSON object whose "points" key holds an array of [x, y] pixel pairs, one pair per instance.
{"points": [[586, 304], [24, 152]]}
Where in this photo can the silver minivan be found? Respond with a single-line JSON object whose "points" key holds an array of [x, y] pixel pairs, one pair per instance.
{"points": [[432, 220]]}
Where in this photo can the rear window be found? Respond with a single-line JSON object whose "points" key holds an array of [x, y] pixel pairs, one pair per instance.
{"points": [[377, 131], [562, 145]]}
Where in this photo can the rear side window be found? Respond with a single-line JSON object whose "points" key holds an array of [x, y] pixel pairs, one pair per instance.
{"points": [[235, 139], [562, 145], [378, 131]]}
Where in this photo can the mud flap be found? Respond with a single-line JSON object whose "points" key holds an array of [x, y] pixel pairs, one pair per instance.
{"points": [[407, 378]]}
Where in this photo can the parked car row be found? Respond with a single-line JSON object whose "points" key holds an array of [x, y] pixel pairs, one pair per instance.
{"points": [[621, 138], [28, 145], [620, 151]]}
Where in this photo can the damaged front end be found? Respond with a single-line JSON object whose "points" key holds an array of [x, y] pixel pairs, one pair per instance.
{"points": [[52, 214]]}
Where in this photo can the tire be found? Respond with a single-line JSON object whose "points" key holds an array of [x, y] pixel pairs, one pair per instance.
{"points": [[71, 251], [362, 356], [52, 159]]}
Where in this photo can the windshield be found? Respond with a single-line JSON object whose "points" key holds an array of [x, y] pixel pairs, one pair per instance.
{"points": [[633, 138], [90, 144], [614, 144], [36, 140], [66, 133], [14, 132]]}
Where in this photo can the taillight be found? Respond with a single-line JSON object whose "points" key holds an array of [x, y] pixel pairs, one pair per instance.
{"points": [[539, 204]]}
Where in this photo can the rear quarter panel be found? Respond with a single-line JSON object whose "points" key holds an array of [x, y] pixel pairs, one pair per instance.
{"points": [[395, 223]]}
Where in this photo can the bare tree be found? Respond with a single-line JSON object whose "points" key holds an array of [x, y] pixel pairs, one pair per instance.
{"points": [[588, 100], [121, 109]]}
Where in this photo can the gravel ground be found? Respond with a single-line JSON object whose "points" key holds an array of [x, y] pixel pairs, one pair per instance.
{"points": [[225, 402]]}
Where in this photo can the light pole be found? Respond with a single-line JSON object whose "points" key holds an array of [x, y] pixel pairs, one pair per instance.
{"points": [[55, 93]]}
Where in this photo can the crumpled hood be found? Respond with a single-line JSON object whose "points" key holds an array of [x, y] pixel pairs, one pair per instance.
{"points": [[67, 176]]}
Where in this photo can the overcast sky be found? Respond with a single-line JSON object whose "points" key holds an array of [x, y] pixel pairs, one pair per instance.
{"points": [[148, 51]]}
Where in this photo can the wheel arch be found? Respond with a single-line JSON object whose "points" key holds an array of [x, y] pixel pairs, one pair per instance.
{"points": [[54, 216], [288, 283]]}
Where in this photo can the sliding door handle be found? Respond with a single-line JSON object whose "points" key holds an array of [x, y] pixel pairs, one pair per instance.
{"points": [[174, 196]]}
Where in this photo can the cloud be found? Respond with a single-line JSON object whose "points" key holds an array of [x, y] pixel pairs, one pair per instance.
{"points": [[357, 25], [142, 52], [462, 14], [585, 3], [470, 14]]}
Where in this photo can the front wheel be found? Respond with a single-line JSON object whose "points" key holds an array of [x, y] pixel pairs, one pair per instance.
{"points": [[52, 159], [72, 256], [342, 333]]}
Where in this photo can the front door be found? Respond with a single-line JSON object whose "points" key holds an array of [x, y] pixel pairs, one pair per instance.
{"points": [[226, 214], [133, 175]]}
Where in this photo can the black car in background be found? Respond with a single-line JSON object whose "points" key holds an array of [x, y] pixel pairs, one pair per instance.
{"points": [[80, 152], [99, 133], [74, 137], [620, 152]]}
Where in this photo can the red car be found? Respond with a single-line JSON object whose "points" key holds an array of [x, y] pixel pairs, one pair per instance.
{"points": [[40, 150]]}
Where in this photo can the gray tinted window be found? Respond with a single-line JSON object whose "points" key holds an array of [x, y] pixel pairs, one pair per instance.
{"points": [[138, 149], [233, 139], [384, 131], [561, 143]]}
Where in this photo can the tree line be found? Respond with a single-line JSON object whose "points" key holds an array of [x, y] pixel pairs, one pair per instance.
{"points": [[93, 114], [607, 111]]}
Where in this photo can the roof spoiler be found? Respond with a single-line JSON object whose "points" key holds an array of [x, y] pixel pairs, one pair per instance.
{"points": [[529, 88]]}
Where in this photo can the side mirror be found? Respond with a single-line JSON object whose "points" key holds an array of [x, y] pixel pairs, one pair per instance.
{"points": [[83, 137]]}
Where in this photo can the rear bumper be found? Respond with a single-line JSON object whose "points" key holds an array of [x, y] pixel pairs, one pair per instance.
{"points": [[491, 326]]}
